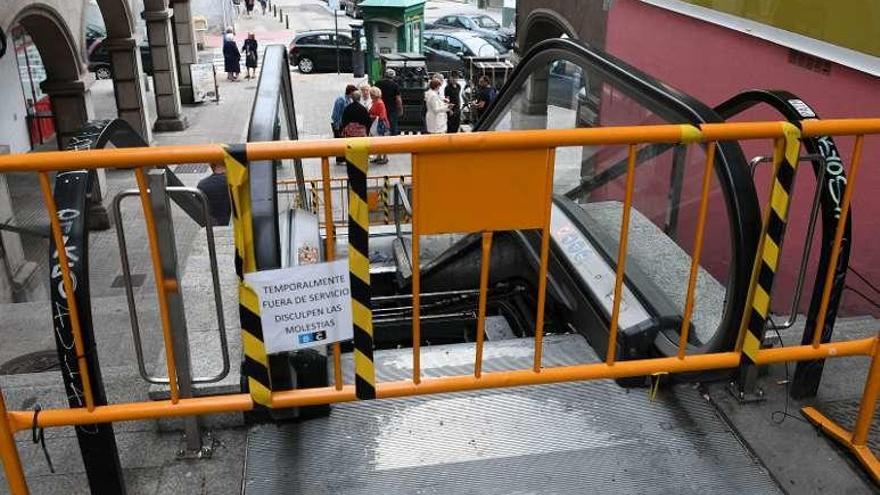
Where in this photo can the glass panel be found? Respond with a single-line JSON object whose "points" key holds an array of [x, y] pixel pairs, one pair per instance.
{"points": [[562, 94]]}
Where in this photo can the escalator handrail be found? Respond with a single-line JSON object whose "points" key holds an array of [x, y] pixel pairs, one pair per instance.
{"points": [[674, 106], [808, 373], [273, 89]]}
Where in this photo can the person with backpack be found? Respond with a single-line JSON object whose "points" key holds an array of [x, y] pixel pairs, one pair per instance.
{"points": [[356, 120], [336, 115]]}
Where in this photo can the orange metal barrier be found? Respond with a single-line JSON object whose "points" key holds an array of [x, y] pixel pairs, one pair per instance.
{"points": [[379, 187], [438, 162]]}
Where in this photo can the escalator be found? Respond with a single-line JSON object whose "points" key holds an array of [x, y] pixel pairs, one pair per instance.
{"points": [[564, 84], [578, 437]]}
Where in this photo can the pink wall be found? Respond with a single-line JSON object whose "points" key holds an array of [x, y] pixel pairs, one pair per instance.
{"points": [[713, 63]]}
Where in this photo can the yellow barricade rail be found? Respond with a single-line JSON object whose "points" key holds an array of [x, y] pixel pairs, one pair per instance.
{"points": [[438, 162]]}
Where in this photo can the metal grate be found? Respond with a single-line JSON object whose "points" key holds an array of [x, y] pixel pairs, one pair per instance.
{"points": [[570, 438], [34, 362], [191, 168]]}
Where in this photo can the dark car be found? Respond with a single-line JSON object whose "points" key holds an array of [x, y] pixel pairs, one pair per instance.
{"points": [[447, 50], [100, 64], [480, 24], [315, 51]]}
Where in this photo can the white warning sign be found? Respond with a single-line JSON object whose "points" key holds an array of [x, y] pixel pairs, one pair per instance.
{"points": [[304, 306]]}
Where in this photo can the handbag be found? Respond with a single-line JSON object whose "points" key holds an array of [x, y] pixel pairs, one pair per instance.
{"points": [[354, 129]]}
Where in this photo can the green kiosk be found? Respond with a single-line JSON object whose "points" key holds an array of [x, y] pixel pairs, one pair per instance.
{"points": [[391, 26]]}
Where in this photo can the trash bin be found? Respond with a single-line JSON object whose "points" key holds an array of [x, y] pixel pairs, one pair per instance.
{"points": [[200, 26]]}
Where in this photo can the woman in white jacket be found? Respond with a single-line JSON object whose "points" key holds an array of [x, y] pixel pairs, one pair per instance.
{"points": [[437, 108]]}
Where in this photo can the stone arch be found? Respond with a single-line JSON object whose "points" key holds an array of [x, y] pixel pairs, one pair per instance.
{"points": [[542, 24], [53, 40], [63, 64], [117, 18]]}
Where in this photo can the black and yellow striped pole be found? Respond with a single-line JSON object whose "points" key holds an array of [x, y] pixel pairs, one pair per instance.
{"points": [[256, 361], [785, 162], [383, 199], [357, 160]]}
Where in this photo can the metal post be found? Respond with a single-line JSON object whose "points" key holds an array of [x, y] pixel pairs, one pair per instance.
{"points": [[336, 34], [161, 206], [286, 21]]}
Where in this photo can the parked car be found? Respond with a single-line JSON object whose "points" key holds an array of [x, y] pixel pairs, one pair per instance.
{"points": [[100, 64], [478, 23], [447, 50], [315, 51]]}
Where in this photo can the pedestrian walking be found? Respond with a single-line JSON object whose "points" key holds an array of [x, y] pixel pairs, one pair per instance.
{"points": [[231, 58], [249, 6], [391, 97], [453, 96], [436, 108], [380, 125], [356, 120], [366, 101], [216, 190], [336, 115], [249, 48], [263, 4]]}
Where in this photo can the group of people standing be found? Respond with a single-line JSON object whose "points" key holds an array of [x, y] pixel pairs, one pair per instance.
{"points": [[375, 110], [232, 56], [443, 103], [249, 6], [368, 111]]}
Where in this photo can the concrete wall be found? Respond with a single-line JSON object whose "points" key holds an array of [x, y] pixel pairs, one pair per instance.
{"points": [[212, 10], [13, 130]]}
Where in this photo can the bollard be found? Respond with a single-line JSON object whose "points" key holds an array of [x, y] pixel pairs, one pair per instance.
{"points": [[280, 15], [274, 10], [286, 21]]}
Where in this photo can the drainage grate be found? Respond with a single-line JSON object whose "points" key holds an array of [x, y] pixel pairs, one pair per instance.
{"points": [[191, 168], [137, 280], [844, 412], [34, 362]]}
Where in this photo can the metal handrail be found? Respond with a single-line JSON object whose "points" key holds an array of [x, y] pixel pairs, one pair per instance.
{"points": [[129, 290], [808, 241], [400, 199]]}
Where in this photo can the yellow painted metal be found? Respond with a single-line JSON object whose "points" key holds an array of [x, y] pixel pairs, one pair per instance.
{"points": [[485, 260], [477, 158], [9, 453], [838, 238], [697, 252], [67, 281], [507, 188], [611, 352], [164, 315]]}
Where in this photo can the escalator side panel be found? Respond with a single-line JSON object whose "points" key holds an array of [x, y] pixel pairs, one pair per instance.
{"points": [[740, 198]]}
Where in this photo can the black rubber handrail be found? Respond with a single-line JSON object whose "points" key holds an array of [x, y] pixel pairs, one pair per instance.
{"points": [[274, 98], [675, 107]]}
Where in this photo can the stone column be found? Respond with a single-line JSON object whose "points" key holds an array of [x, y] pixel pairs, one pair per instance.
{"points": [[128, 85], [158, 18], [187, 53], [70, 107], [17, 280]]}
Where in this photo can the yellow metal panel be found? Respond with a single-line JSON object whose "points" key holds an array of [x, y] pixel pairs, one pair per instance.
{"points": [[771, 253], [475, 192], [762, 301]]}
